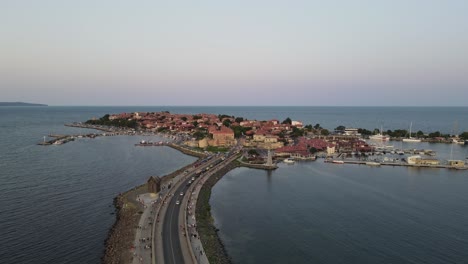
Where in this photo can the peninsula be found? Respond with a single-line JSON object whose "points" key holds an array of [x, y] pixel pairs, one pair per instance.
{"points": [[168, 219], [20, 104]]}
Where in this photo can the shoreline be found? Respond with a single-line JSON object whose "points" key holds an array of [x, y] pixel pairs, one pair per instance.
{"points": [[212, 243], [120, 237], [122, 232]]}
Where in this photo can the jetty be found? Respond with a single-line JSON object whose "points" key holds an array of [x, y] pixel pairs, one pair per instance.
{"points": [[399, 164], [62, 139]]}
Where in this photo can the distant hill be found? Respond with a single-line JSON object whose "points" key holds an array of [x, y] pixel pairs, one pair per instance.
{"points": [[19, 104]]}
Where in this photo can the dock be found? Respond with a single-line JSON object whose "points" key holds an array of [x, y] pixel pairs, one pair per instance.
{"points": [[402, 164]]}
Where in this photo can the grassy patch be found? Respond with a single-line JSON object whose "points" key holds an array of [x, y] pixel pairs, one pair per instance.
{"points": [[217, 149]]}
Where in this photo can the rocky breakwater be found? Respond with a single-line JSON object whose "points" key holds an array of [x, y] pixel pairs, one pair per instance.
{"points": [[119, 242], [212, 244]]}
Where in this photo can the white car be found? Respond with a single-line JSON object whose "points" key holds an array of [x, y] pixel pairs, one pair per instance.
{"points": [[181, 193], [177, 202]]}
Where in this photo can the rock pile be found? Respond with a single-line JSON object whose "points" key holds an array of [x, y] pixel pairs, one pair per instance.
{"points": [[119, 242]]}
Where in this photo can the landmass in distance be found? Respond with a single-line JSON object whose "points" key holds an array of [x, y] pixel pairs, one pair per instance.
{"points": [[20, 104]]}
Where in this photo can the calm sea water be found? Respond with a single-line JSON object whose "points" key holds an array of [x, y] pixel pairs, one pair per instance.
{"points": [[56, 201], [322, 213]]}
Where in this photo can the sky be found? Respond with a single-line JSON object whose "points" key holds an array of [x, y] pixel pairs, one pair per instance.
{"points": [[317, 53]]}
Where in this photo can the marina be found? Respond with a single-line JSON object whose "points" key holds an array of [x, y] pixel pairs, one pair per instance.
{"points": [[400, 164]]}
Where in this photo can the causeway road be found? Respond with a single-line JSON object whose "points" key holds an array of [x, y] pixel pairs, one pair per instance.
{"points": [[176, 247], [172, 228], [171, 245]]}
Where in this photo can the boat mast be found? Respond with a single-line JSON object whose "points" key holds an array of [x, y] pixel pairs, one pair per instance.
{"points": [[410, 126]]}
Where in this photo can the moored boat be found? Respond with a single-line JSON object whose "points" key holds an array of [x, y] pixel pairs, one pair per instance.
{"points": [[338, 161], [289, 160], [372, 163], [379, 137], [411, 139]]}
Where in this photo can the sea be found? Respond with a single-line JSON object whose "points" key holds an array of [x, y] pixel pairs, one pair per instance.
{"points": [[56, 201]]}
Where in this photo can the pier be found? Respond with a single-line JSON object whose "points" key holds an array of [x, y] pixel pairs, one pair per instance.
{"points": [[62, 139], [400, 164]]}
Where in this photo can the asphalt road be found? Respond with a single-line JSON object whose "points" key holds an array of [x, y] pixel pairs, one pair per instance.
{"points": [[171, 227], [172, 249]]}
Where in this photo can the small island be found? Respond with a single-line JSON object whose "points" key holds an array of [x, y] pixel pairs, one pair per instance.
{"points": [[20, 104]]}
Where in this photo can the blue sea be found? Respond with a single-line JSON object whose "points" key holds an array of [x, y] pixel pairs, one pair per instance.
{"points": [[56, 201]]}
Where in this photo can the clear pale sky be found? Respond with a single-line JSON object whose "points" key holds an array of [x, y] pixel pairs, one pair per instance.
{"points": [[369, 52]]}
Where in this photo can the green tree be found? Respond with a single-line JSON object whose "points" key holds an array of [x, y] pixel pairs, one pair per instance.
{"points": [[221, 117], [419, 134], [325, 132], [317, 126], [239, 119], [287, 121], [340, 128], [238, 130], [364, 132], [227, 122], [199, 134], [184, 118], [313, 150], [464, 135], [435, 134], [296, 132], [195, 123], [253, 152]]}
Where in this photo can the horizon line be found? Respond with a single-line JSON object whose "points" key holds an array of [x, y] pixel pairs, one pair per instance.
{"points": [[379, 106]]}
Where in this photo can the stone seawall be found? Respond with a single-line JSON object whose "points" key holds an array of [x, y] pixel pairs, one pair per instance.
{"points": [[212, 244], [120, 238]]}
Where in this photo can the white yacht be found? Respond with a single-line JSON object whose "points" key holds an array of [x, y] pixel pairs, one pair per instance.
{"points": [[380, 136], [411, 139], [289, 160]]}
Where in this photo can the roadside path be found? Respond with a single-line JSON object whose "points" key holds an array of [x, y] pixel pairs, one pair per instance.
{"points": [[142, 252]]}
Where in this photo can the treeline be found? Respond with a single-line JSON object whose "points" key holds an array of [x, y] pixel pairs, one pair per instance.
{"points": [[401, 133], [105, 121]]}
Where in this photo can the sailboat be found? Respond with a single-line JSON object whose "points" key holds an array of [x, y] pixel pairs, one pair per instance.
{"points": [[456, 139], [379, 136], [411, 139]]}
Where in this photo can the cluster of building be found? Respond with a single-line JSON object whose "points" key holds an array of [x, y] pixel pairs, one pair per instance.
{"points": [[173, 122], [271, 134]]}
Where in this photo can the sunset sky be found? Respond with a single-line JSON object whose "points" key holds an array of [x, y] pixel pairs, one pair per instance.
{"points": [[353, 53]]}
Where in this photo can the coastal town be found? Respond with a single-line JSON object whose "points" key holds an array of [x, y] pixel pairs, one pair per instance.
{"points": [[285, 141], [145, 230]]}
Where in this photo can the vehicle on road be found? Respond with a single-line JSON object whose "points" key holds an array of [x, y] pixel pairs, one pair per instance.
{"points": [[181, 193], [177, 202]]}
